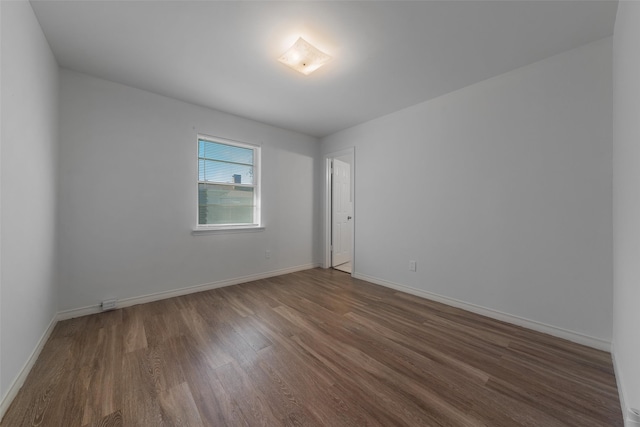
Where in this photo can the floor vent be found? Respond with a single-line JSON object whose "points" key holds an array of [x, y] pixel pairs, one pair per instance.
{"points": [[108, 304]]}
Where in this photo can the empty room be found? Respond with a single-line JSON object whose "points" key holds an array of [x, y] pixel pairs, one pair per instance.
{"points": [[320, 213]]}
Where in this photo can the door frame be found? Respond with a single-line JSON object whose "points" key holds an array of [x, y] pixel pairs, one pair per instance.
{"points": [[328, 158]]}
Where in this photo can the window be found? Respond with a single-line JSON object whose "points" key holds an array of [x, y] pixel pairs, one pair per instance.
{"points": [[228, 184]]}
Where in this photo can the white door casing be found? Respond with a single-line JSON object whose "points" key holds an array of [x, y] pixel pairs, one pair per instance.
{"points": [[341, 211]]}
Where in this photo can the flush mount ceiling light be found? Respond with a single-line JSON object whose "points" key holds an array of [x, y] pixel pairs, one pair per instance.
{"points": [[304, 57]]}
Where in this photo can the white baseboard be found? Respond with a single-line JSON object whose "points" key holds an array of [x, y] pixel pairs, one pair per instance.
{"points": [[509, 318], [626, 411], [127, 302], [18, 382]]}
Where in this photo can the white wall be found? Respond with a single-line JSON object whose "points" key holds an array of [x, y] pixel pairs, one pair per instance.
{"points": [[500, 191], [626, 201], [28, 187], [128, 171]]}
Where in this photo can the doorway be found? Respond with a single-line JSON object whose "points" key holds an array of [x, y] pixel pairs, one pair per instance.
{"points": [[339, 240]]}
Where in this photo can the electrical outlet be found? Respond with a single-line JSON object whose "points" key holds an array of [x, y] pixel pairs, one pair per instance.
{"points": [[412, 265], [267, 254]]}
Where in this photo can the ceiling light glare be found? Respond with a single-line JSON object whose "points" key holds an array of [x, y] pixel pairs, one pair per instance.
{"points": [[304, 57]]}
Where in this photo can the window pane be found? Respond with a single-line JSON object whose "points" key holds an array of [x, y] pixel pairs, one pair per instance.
{"points": [[224, 152], [201, 170], [225, 204], [232, 173]]}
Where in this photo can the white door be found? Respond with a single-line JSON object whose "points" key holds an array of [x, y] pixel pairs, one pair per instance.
{"points": [[341, 207]]}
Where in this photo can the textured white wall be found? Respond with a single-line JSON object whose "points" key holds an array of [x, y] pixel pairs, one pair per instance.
{"points": [[626, 200], [128, 171], [28, 187], [500, 191]]}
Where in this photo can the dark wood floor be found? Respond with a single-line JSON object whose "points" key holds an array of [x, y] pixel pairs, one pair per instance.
{"points": [[311, 348]]}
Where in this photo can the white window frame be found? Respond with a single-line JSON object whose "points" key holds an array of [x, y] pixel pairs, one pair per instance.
{"points": [[257, 172]]}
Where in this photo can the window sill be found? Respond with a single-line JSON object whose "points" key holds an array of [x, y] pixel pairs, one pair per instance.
{"points": [[200, 231]]}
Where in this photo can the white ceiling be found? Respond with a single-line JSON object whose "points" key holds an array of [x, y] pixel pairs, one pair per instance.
{"points": [[387, 55]]}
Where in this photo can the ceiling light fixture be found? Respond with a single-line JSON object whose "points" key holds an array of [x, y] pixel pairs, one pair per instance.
{"points": [[304, 57]]}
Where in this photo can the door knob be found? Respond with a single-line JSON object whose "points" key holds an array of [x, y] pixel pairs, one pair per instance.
{"points": [[348, 217]]}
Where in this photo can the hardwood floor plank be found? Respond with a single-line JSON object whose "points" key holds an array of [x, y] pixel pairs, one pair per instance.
{"points": [[311, 348], [202, 338], [231, 300], [598, 373], [134, 335], [112, 420], [72, 403], [244, 327], [327, 405], [234, 344], [564, 415], [251, 401], [208, 395], [35, 407], [424, 349], [382, 392], [139, 393], [178, 407], [499, 410], [286, 403], [103, 391]]}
